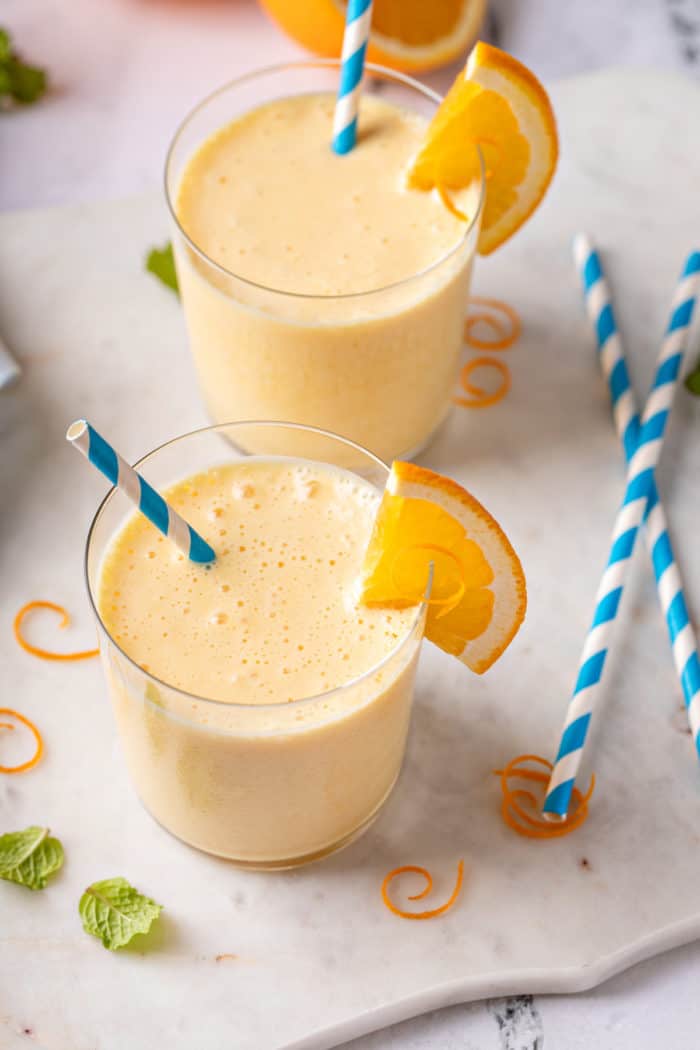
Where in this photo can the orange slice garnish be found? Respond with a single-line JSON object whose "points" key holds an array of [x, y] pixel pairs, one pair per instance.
{"points": [[499, 105], [478, 598]]}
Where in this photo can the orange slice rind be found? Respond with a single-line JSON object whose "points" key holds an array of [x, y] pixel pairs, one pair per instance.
{"points": [[495, 103], [478, 598]]}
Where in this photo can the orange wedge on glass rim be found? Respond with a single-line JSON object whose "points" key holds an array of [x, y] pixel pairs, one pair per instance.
{"points": [[478, 596], [497, 103]]}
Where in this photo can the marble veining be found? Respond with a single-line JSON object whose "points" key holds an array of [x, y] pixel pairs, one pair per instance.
{"points": [[519, 1023]]}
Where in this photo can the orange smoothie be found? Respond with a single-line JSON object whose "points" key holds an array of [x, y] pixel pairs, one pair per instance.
{"points": [[318, 288], [273, 719]]}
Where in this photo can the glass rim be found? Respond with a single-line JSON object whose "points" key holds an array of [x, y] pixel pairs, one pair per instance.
{"points": [[319, 63], [421, 607]]}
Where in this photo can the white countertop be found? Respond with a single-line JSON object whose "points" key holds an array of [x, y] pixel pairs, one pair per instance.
{"points": [[123, 74]]}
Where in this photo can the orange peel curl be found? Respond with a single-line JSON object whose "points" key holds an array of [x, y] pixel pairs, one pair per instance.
{"points": [[35, 650]]}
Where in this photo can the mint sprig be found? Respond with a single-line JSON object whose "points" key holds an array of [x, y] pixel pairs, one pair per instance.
{"points": [[28, 857], [161, 263], [115, 912], [19, 81], [692, 380]]}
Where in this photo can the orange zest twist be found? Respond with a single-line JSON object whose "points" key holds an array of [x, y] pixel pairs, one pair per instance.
{"points": [[450, 204], [44, 654], [480, 397], [452, 600], [37, 736], [532, 824], [488, 174], [507, 331], [431, 913], [484, 141]]}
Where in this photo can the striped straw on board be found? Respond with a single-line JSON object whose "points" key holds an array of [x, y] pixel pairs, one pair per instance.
{"points": [[357, 23], [669, 583], [640, 474], [136, 488]]}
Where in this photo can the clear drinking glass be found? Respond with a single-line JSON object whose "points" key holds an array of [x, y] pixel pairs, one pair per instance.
{"points": [[264, 785], [378, 366]]}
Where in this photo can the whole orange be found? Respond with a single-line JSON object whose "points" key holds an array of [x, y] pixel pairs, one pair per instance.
{"points": [[410, 35]]}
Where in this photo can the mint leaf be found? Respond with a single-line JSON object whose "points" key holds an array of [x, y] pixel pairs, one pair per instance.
{"points": [[28, 857], [114, 911], [692, 380], [27, 83], [161, 263], [18, 80]]}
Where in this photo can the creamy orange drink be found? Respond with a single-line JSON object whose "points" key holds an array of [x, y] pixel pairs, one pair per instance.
{"points": [[263, 699], [263, 712], [331, 290], [319, 288]]}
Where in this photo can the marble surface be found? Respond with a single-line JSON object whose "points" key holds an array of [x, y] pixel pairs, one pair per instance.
{"points": [[318, 959], [123, 72]]}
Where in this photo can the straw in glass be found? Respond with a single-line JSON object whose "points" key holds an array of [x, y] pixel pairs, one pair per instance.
{"points": [[640, 474], [669, 583], [136, 488], [357, 24]]}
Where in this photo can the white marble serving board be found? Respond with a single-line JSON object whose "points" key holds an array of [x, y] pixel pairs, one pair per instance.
{"points": [[312, 956]]}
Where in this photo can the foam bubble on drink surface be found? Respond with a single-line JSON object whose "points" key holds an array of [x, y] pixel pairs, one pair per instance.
{"points": [[276, 618]]}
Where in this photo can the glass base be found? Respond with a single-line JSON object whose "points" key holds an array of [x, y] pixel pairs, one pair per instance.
{"points": [[418, 450], [407, 455], [286, 863]]}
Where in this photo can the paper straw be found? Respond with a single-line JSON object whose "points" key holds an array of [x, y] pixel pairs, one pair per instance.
{"points": [[357, 23], [136, 488], [9, 369], [669, 584], [640, 474]]}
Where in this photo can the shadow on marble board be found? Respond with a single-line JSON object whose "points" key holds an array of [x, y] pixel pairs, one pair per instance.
{"points": [[166, 936]]}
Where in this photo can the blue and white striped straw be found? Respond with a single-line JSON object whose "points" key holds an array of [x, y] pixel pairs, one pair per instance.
{"points": [[142, 495], [640, 474], [669, 583], [357, 23], [9, 369]]}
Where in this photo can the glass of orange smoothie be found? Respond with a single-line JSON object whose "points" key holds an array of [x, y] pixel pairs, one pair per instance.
{"points": [[262, 710], [319, 288]]}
